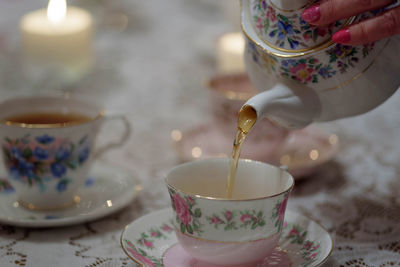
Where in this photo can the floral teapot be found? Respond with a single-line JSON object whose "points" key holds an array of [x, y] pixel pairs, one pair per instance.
{"points": [[304, 75]]}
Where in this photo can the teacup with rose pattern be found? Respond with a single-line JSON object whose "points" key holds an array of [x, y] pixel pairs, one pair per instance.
{"points": [[240, 231]]}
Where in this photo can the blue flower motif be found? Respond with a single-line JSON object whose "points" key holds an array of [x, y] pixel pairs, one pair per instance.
{"points": [[63, 153], [89, 181], [9, 190], [84, 154], [288, 62], [45, 139], [293, 43], [263, 4], [302, 22], [16, 153], [62, 185], [57, 169], [325, 73], [40, 153], [13, 172], [25, 168], [284, 30], [252, 46]]}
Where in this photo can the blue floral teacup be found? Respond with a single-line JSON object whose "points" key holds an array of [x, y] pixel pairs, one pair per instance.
{"points": [[47, 162]]}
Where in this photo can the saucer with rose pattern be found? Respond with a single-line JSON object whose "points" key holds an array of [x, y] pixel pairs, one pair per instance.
{"points": [[108, 188], [150, 241]]}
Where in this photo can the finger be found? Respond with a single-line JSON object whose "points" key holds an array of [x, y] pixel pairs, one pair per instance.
{"points": [[332, 10], [379, 27]]}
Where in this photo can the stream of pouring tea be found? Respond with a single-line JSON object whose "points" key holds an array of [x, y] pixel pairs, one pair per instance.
{"points": [[246, 119]]}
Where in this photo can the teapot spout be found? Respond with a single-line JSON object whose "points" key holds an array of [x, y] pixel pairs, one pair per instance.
{"points": [[292, 107]]}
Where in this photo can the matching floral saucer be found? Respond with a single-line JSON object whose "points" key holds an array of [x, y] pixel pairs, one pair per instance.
{"points": [[151, 242], [107, 189]]}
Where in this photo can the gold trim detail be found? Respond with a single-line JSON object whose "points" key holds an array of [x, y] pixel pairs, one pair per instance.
{"points": [[326, 43], [126, 252], [225, 242], [294, 55], [309, 3], [327, 232], [31, 206], [291, 53], [355, 77], [235, 200], [51, 125]]}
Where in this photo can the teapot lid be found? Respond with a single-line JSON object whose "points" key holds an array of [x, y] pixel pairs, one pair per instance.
{"points": [[279, 25]]}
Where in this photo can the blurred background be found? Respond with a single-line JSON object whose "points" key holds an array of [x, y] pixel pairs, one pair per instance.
{"points": [[174, 68]]}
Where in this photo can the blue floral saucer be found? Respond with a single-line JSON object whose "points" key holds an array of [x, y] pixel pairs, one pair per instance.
{"points": [[108, 188]]}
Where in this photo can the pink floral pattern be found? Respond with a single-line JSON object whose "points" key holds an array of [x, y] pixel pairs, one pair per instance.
{"points": [[339, 59], [182, 209], [190, 219], [233, 220], [166, 228], [288, 30], [278, 214], [302, 73], [146, 242], [309, 249], [294, 237], [141, 255], [187, 215]]}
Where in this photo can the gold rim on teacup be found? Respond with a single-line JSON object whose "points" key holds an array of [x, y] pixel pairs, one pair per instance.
{"points": [[51, 125], [235, 200]]}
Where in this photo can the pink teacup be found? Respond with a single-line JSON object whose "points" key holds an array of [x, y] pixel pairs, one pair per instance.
{"points": [[229, 232]]}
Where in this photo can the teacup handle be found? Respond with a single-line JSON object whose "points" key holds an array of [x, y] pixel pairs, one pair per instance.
{"points": [[122, 140]]}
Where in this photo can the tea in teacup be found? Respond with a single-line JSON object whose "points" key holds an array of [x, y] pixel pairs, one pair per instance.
{"points": [[48, 145], [239, 231]]}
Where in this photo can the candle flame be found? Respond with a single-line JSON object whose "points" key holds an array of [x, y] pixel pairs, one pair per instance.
{"points": [[56, 10]]}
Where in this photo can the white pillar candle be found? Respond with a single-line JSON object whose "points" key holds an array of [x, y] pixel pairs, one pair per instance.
{"points": [[230, 49], [59, 37]]}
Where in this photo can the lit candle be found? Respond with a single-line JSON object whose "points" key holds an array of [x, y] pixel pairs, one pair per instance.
{"points": [[58, 37], [230, 49]]}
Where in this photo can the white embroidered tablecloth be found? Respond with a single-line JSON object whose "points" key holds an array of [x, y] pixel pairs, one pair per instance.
{"points": [[152, 59]]}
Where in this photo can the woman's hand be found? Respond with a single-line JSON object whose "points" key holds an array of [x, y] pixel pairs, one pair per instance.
{"points": [[383, 25]]}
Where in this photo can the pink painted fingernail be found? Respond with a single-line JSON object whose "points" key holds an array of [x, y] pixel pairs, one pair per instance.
{"points": [[342, 36], [311, 14]]}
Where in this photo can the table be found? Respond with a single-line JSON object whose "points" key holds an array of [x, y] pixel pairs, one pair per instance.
{"points": [[153, 57]]}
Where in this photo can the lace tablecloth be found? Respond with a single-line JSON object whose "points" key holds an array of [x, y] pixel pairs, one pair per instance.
{"points": [[153, 57]]}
